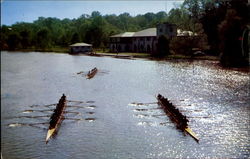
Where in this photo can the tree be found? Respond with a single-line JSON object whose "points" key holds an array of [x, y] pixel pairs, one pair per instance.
{"points": [[5, 31], [25, 38], [180, 17], [75, 38], [214, 13], [231, 29], [43, 39], [95, 14], [13, 41]]}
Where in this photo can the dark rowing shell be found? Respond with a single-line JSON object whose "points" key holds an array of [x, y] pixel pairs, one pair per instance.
{"points": [[92, 73], [175, 115], [57, 117]]}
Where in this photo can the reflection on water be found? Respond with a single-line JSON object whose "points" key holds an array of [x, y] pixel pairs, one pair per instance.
{"points": [[215, 100]]}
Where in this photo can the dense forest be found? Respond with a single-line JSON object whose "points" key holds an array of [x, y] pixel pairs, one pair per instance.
{"points": [[220, 24]]}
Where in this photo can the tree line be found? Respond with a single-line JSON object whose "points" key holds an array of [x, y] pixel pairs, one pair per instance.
{"points": [[222, 24], [219, 24], [94, 29]]}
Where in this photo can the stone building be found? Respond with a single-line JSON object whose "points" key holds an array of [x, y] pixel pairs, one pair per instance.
{"points": [[141, 41]]}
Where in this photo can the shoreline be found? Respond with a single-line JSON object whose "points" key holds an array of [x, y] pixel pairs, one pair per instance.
{"points": [[126, 55], [122, 55]]}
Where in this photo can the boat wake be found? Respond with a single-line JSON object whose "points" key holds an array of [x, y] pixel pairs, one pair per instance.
{"points": [[153, 114], [39, 116]]}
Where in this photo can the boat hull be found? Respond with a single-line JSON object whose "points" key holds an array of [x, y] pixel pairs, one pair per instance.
{"points": [[176, 121], [192, 134], [49, 134], [92, 73], [53, 128]]}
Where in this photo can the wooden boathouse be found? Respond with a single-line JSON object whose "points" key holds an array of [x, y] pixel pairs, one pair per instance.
{"points": [[80, 48]]}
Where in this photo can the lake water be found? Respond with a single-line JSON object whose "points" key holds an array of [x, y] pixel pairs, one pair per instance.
{"points": [[215, 100]]}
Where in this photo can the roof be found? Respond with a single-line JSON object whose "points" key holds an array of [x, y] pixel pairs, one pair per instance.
{"points": [[125, 34], [146, 32], [142, 33], [81, 44]]}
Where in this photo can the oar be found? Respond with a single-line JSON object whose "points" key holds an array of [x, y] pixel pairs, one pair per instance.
{"points": [[199, 116], [149, 103], [72, 118], [76, 101], [72, 112], [30, 110], [146, 109], [76, 106], [148, 116], [49, 105], [141, 104], [30, 116], [28, 124]]}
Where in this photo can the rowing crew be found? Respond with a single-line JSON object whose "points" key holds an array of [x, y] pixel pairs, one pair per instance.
{"points": [[93, 70], [180, 119], [57, 112]]}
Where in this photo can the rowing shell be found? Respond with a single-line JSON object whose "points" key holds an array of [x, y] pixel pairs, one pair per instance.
{"points": [[50, 133], [187, 129], [191, 133], [60, 107], [92, 73]]}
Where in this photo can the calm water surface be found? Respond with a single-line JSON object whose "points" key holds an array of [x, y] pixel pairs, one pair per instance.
{"points": [[215, 100]]}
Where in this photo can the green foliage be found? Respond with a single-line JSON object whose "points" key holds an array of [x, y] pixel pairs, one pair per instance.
{"points": [[43, 39], [184, 45], [230, 30], [180, 17], [13, 41], [4, 36], [75, 38], [25, 38], [45, 33], [223, 22], [181, 45]]}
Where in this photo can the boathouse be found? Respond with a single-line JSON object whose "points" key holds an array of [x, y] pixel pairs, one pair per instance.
{"points": [[142, 41], [80, 48]]}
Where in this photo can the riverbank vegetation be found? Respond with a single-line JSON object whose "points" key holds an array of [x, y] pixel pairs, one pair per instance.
{"points": [[219, 25]]}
